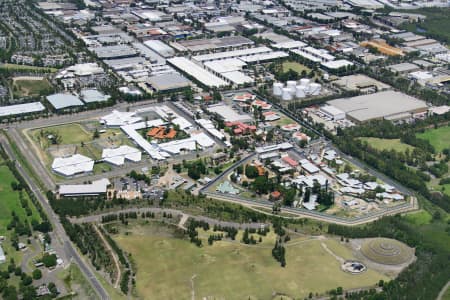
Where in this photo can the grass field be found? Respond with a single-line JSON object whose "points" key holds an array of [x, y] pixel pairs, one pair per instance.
{"points": [[439, 138], [168, 268], [387, 144], [31, 88], [9, 201], [70, 133], [421, 217], [294, 66], [14, 67]]}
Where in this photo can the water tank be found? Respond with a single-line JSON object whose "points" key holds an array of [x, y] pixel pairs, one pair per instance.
{"points": [[300, 91], [315, 88], [304, 81], [287, 94], [291, 84], [277, 88]]}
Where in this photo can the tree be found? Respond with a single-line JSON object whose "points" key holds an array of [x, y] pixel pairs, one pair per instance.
{"points": [[251, 171], [37, 274], [49, 260]]}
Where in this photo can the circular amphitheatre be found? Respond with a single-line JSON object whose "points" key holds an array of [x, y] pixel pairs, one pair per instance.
{"points": [[387, 251]]}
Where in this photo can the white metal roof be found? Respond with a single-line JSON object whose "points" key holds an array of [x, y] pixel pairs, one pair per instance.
{"points": [[21, 109], [118, 118], [232, 54], [72, 165], [264, 56], [289, 45], [118, 155], [336, 64], [202, 75], [237, 77]]}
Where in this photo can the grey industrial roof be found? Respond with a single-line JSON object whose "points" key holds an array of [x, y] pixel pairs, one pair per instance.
{"points": [[403, 67], [59, 101], [215, 43], [379, 105], [21, 109], [169, 81], [115, 51]]}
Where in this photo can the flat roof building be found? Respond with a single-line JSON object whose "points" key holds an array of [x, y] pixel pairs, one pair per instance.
{"points": [[61, 101], [388, 105], [97, 187], [20, 109], [203, 76], [167, 82], [212, 44], [160, 48]]}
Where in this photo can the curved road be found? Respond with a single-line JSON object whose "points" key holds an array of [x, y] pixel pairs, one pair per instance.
{"points": [[66, 244]]}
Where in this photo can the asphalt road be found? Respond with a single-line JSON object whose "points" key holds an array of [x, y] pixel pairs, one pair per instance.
{"points": [[69, 249]]}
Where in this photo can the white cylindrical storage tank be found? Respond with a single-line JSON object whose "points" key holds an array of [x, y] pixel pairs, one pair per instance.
{"points": [[287, 94], [291, 84], [300, 91], [315, 88], [304, 81], [277, 88]]}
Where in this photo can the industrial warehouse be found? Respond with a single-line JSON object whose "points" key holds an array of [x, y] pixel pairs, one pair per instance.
{"points": [[389, 105]]}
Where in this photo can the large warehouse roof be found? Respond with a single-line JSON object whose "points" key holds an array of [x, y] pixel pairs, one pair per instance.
{"points": [[115, 51], [59, 101], [94, 188], [72, 165], [19, 109], [232, 54], [214, 43], [202, 75], [379, 105], [169, 81]]}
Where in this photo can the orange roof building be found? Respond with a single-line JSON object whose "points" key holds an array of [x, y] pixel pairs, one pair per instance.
{"points": [[160, 133], [383, 47]]}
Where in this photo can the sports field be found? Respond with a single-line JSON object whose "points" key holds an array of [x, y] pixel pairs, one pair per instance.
{"points": [[31, 87], [171, 268], [439, 138], [387, 144]]}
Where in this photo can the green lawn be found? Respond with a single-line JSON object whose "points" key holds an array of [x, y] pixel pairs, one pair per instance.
{"points": [[70, 133], [31, 88], [15, 67], [166, 268], [419, 218], [294, 66], [9, 201], [439, 138], [387, 144]]}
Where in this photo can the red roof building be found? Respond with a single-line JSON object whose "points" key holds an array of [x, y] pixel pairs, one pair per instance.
{"points": [[290, 161]]}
